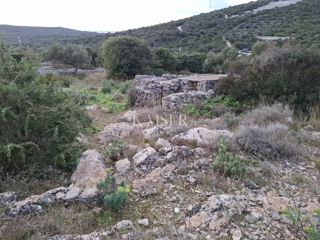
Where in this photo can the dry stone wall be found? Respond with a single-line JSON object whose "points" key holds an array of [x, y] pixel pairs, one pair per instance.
{"points": [[173, 91]]}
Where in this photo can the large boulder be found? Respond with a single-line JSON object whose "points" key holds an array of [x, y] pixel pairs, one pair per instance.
{"points": [[111, 131], [155, 132], [202, 135], [129, 117], [90, 170], [146, 156]]}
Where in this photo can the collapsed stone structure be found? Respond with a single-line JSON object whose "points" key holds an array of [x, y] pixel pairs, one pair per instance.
{"points": [[174, 91]]}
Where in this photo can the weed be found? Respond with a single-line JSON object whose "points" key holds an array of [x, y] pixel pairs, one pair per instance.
{"points": [[191, 110], [116, 149], [298, 178], [226, 162], [230, 119], [114, 197], [106, 86], [317, 164], [303, 224]]}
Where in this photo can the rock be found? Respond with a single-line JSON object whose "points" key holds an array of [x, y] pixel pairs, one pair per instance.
{"points": [[82, 140], [129, 117], [162, 143], [111, 131], [193, 209], [251, 185], [202, 135], [88, 194], [95, 107], [124, 224], [144, 222], [199, 219], [72, 194], [146, 156], [237, 235], [156, 178], [178, 153], [90, 170], [123, 165], [7, 197], [60, 195], [155, 132]]}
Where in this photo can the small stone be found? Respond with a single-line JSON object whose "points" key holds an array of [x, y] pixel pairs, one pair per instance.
{"points": [[123, 165], [60, 195], [237, 235], [144, 222], [249, 219], [72, 194], [125, 224]]}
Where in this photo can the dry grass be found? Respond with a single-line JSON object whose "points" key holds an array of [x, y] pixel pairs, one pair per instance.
{"points": [[273, 141], [265, 114], [148, 114], [56, 219], [90, 80], [25, 186]]}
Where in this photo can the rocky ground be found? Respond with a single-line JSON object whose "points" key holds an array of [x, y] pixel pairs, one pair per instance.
{"points": [[175, 192]]}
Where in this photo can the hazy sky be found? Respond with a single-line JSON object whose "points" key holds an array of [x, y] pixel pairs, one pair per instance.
{"points": [[103, 15]]}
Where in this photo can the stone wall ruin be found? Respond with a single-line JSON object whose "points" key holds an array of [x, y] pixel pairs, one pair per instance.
{"points": [[174, 91]]}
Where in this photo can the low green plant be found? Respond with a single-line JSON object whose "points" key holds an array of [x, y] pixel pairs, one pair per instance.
{"points": [[113, 196], [227, 162], [106, 86], [191, 110], [116, 149], [230, 119], [303, 224]]}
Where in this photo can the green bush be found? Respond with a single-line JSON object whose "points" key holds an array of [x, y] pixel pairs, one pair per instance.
{"points": [[113, 197], [288, 75], [116, 149], [39, 121], [228, 163], [106, 86], [124, 56]]}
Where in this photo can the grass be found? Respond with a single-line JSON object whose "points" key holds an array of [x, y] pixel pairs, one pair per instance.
{"points": [[298, 178], [56, 219]]}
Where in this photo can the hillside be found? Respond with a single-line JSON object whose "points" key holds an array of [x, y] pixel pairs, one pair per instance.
{"points": [[239, 24], [34, 36]]}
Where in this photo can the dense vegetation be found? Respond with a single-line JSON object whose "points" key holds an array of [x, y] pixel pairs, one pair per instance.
{"points": [[288, 74], [205, 32], [39, 121]]}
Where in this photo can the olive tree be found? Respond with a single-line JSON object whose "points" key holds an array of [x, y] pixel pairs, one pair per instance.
{"points": [[72, 54], [125, 56], [219, 62]]}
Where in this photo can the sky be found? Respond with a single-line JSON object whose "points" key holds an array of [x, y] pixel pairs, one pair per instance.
{"points": [[104, 15]]}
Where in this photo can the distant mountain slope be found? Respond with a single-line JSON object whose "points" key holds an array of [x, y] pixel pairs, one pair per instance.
{"points": [[240, 25], [27, 35]]}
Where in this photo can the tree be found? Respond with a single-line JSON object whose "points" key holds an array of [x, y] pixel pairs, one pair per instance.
{"points": [[191, 62], [219, 62], [125, 56], [286, 74], [72, 54], [39, 122], [261, 47], [164, 59]]}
